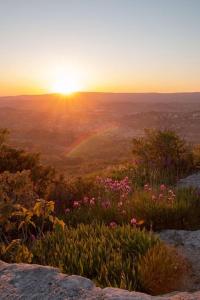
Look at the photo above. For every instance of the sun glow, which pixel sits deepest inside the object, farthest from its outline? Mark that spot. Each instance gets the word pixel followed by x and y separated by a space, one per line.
pixel 66 81
pixel 65 87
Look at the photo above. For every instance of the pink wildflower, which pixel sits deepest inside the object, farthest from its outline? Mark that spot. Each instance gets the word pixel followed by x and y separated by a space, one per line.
pixel 92 201
pixel 76 204
pixel 106 204
pixel 113 224
pixel 120 204
pixel 133 221
pixel 67 210
pixel 85 200
pixel 162 187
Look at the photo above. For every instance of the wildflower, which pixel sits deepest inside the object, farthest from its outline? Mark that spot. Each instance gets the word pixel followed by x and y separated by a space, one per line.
pixel 92 201
pixel 76 204
pixel 162 187
pixel 113 224
pixel 171 193
pixel 85 200
pixel 67 210
pixel 133 221
pixel 153 197
pixel 106 204
pixel 33 237
pixel 120 204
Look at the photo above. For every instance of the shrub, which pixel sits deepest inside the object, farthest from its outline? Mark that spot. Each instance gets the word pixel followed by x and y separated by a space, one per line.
pixel 179 209
pixel 17 160
pixel 106 255
pixel 19 223
pixel 64 192
pixel 160 270
pixel 163 154
pixel 18 188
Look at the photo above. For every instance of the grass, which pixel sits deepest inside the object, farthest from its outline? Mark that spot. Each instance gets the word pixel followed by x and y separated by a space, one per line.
pixel 160 270
pixel 108 256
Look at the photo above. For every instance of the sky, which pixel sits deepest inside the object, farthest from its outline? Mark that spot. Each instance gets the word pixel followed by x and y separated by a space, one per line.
pixel 99 45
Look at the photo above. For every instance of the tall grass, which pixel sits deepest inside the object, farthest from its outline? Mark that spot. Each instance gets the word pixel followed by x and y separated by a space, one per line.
pixel 109 256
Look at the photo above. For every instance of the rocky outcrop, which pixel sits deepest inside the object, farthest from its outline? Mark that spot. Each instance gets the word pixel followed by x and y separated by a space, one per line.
pixel 34 282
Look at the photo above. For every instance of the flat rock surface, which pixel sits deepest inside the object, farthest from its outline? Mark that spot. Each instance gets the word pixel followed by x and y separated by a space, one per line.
pixel 34 282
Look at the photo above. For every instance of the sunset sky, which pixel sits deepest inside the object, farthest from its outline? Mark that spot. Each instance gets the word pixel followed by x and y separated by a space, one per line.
pixel 99 45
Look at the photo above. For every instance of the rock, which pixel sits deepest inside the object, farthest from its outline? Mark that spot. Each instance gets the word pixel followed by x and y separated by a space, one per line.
pixel 188 245
pixel 34 282
pixel 190 181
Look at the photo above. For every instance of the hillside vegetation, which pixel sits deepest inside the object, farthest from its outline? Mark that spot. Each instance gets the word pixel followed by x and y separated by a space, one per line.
pixel 101 226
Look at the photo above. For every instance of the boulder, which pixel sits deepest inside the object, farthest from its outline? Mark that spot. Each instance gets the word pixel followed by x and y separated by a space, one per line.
pixel 35 282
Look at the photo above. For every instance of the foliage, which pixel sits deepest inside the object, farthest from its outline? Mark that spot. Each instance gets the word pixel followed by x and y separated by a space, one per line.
pixel 167 209
pixel 17 160
pixel 109 203
pixel 64 192
pixel 16 251
pixel 17 187
pixel 163 152
pixel 20 223
pixel 111 248
pixel 118 201
pixel 106 255
pixel 196 156
pixel 160 270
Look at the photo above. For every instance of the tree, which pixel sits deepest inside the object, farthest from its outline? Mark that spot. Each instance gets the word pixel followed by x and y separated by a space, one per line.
pixel 163 151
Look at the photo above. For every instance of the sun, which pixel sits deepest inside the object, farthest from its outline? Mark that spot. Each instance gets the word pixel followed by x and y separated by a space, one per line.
pixel 65 79
pixel 65 86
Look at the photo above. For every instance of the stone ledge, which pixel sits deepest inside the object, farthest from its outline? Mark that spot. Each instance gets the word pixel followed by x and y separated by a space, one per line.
pixel 35 282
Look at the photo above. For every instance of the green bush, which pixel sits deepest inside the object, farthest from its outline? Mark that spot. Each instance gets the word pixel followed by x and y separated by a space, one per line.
pixel 106 255
pixel 163 155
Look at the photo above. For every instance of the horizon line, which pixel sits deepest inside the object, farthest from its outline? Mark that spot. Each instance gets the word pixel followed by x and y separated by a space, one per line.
pixel 99 92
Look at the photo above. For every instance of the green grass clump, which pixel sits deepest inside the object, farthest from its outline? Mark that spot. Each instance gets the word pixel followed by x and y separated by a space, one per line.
pixel 106 255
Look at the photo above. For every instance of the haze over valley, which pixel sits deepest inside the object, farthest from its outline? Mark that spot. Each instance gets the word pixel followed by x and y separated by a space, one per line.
pixel 87 132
